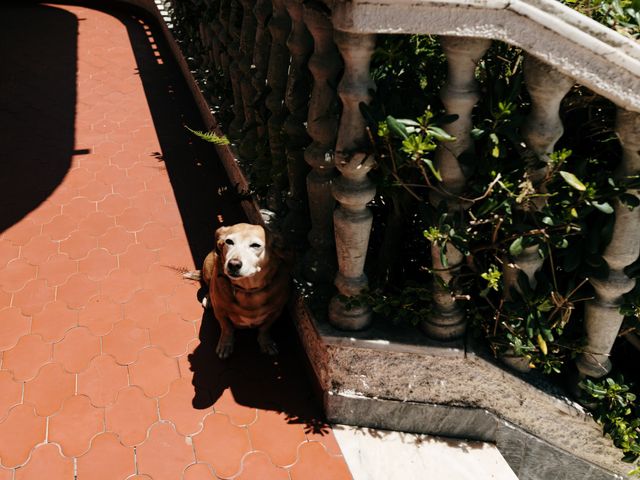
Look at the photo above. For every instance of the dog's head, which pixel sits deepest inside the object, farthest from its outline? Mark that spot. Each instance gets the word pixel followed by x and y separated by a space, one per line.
pixel 243 249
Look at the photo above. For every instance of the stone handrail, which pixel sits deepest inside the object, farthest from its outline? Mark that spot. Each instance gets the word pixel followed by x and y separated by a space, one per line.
pixel 295 76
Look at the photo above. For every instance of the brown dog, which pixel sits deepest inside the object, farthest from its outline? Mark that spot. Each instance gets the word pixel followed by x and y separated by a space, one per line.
pixel 249 283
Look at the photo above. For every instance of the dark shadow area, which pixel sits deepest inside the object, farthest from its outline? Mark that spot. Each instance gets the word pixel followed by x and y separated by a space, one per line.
pixel 38 51
pixel 205 199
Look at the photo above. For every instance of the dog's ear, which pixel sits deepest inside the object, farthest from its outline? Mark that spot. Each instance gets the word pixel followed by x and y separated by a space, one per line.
pixel 220 233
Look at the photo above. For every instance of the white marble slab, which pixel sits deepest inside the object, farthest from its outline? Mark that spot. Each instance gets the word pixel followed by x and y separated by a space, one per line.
pixel 385 455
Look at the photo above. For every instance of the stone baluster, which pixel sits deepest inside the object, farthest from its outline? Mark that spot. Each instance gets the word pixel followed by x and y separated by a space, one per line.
pixel 247 147
pixel 602 318
pixel 541 130
pixel 352 189
pixel 261 49
pixel 223 36
pixel 235 73
pixel 215 28
pixel 279 27
pixel 296 100
pixel 459 95
pixel 322 125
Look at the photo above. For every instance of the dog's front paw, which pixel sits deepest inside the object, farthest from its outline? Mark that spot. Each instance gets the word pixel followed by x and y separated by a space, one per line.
pixel 225 347
pixel 267 345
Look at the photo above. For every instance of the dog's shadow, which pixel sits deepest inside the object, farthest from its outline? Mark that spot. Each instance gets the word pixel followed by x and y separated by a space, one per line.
pixel 255 379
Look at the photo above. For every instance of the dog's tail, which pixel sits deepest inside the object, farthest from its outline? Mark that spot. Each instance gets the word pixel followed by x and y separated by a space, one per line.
pixel 195 275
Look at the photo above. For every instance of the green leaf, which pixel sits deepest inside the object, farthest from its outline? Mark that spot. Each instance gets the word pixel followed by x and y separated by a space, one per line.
pixel 604 207
pixel 573 181
pixel 516 248
pixel 210 137
pixel 440 135
pixel 433 169
pixel 397 128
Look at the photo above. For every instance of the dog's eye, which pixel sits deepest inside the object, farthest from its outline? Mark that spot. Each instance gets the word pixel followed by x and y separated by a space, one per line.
pixel 255 245
pixel 228 241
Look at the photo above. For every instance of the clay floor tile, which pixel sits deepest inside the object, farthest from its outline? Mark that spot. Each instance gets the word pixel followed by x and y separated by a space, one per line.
pixel 96 224
pixel 8 252
pixel 125 341
pixel 34 296
pixel 183 360
pixel 5 297
pixel 177 407
pixel 78 177
pixel 176 253
pixel 123 159
pixel 258 465
pixel 169 214
pixel 131 416
pixel 44 213
pixel 78 245
pixel 39 249
pixel 21 232
pixel 10 393
pixel 185 303
pixel 79 208
pixel 75 425
pixel 159 183
pixel 145 170
pixel 153 371
pixel 95 191
pixel 165 454
pixel 103 126
pixel 133 219
pixel 16 275
pixel 138 258
pixel 100 314
pixel 102 381
pixel 54 321
pixel 19 433
pixel 162 280
pixel 239 415
pixel 326 438
pixel 78 290
pixel 26 358
pixel 145 308
pixel 150 202
pixel 200 471
pixel 46 462
pixel 60 227
pixel 76 350
pixel 128 188
pixel 273 435
pixel 154 235
pixel 314 462
pixel 107 459
pixel 120 285
pixel 114 204
pixel 97 264
pixel 57 269
pixel 110 174
pixel 48 390
pixel 222 445
pixel 6 474
pixel 116 240
pixel 172 334
pixel 13 325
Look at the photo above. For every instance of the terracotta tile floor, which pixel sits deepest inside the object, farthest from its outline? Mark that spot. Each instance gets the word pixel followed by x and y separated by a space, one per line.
pixel 107 366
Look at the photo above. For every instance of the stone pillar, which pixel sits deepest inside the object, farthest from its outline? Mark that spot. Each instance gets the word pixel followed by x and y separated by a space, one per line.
pixel 249 138
pixel 235 73
pixel 459 95
pixel 602 318
pixel 322 126
pixel 541 130
pixel 224 37
pixel 279 27
pixel 352 189
pixel 296 100
pixel 261 49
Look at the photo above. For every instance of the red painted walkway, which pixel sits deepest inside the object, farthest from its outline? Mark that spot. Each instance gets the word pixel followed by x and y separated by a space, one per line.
pixel 107 369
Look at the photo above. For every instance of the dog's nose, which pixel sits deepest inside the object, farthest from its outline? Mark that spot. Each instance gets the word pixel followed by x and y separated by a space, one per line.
pixel 234 265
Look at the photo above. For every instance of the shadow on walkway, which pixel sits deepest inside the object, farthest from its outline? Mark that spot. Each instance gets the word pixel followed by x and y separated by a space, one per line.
pixel 38 137
pixel 198 178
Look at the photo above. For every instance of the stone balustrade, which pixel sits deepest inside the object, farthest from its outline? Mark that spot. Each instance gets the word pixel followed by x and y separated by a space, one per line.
pixel 299 73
